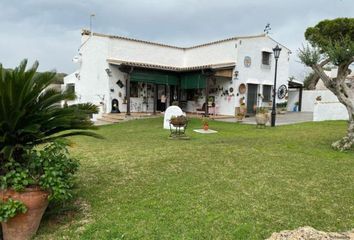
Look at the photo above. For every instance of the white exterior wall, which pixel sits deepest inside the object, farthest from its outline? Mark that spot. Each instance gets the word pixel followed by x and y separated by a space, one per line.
pixel 222 52
pixel 96 86
pixel 115 76
pixel 329 111
pixel 257 73
pixel 329 108
pixel 70 79
pixel 135 51
pixel 309 98
pixel 93 85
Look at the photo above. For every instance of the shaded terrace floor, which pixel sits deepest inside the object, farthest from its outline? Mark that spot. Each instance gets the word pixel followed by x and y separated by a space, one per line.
pixel 281 119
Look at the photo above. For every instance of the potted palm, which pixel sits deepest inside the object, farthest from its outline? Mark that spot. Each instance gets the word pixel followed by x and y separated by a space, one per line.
pixel 31 115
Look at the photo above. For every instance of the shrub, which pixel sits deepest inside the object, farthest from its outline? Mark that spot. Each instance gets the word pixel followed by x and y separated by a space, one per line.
pixel 30 115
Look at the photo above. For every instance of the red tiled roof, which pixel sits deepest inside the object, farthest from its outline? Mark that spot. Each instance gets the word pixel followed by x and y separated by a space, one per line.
pixel 170 68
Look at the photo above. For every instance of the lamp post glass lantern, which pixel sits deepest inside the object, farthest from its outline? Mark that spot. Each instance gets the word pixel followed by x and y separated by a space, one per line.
pixel 276 52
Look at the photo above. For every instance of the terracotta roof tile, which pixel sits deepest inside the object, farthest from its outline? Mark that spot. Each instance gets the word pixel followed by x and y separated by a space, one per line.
pixel 170 68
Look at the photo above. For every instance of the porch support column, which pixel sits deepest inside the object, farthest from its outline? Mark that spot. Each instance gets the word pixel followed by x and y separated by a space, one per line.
pixel 207 96
pixel 300 98
pixel 178 90
pixel 155 98
pixel 128 90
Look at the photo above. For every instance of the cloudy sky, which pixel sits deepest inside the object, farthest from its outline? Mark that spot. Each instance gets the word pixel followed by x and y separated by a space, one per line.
pixel 49 30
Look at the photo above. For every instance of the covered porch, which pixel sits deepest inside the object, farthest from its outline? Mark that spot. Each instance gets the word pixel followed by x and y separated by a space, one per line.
pixel 151 88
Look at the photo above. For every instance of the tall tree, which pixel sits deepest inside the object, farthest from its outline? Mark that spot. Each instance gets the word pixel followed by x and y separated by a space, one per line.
pixel 311 81
pixel 332 42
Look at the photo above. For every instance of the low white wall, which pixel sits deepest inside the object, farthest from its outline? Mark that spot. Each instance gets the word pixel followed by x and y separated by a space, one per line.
pixel 309 98
pixel 329 108
pixel 329 111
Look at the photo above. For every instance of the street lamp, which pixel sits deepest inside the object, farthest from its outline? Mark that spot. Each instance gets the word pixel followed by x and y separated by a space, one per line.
pixel 276 52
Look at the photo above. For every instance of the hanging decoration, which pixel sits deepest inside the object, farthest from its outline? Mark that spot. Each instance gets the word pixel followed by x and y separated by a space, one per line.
pixel 242 88
pixel 282 91
pixel 247 61
pixel 120 84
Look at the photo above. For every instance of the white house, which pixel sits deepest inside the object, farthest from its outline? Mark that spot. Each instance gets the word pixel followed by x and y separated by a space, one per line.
pixel 132 75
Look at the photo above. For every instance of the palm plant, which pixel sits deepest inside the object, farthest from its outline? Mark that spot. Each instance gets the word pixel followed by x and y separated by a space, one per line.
pixel 31 113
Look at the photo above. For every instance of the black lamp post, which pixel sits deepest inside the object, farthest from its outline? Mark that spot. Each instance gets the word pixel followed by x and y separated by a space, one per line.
pixel 276 52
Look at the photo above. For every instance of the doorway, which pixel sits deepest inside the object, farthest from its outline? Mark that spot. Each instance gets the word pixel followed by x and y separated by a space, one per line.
pixel 252 98
pixel 173 94
pixel 161 97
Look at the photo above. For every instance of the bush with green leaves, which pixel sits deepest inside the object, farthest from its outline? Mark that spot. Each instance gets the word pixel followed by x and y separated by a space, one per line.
pixel 50 168
pixel 10 208
pixel 282 105
pixel 31 114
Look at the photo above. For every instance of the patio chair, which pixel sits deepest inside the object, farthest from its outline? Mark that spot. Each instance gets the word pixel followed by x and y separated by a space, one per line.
pixel 201 110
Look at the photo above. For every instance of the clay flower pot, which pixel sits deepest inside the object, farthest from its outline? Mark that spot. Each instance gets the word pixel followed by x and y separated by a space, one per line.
pixel 206 127
pixel 262 118
pixel 24 226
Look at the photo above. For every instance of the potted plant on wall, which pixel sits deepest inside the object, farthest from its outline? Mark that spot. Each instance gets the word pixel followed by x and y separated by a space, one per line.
pixel 29 116
pixel 282 107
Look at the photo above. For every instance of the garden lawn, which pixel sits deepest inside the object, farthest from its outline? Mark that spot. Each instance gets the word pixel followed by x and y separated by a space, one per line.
pixel 241 183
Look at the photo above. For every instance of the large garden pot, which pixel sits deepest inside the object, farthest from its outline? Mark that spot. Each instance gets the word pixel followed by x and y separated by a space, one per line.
pixel 24 226
pixel 262 118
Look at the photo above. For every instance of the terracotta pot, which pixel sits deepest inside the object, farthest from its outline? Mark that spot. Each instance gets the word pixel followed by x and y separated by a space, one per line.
pixel 24 226
pixel 262 118
pixel 206 127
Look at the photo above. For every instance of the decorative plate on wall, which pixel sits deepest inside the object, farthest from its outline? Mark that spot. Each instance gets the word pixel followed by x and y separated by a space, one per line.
pixel 242 88
pixel 282 91
pixel 247 61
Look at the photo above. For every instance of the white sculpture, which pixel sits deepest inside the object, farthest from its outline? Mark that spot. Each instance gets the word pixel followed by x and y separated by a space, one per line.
pixel 171 111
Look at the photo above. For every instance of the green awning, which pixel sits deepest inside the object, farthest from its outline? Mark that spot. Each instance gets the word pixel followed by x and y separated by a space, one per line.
pixel 154 77
pixel 188 80
pixel 193 81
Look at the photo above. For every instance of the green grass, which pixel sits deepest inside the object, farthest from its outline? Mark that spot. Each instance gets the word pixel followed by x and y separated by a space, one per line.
pixel 241 183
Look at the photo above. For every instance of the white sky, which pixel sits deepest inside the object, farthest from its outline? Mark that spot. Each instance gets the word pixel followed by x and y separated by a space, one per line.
pixel 49 31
